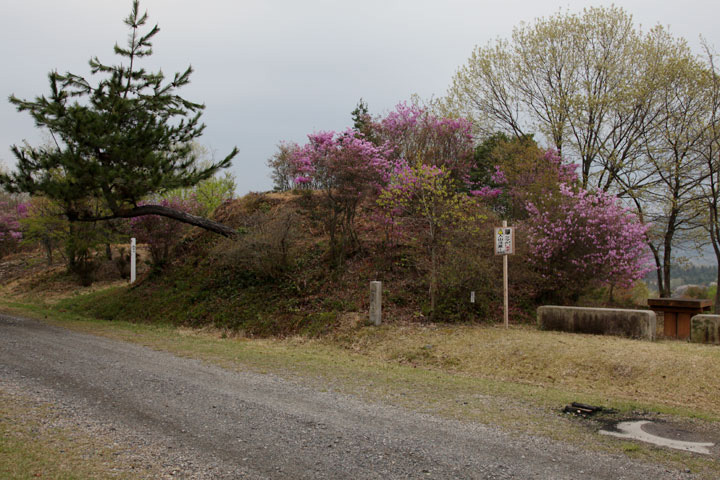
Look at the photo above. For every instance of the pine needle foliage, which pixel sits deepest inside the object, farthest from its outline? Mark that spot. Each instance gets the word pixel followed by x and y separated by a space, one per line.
pixel 118 139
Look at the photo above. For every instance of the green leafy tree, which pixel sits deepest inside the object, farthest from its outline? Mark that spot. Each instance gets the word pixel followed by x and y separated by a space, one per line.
pixel 282 167
pixel 632 108
pixel 424 199
pixel 45 225
pixel 116 141
pixel 210 193
pixel 672 155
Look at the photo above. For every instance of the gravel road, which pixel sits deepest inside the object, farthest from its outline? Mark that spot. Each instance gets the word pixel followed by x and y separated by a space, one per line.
pixel 207 422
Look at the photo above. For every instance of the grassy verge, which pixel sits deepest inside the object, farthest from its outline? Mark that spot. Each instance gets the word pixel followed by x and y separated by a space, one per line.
pixel 33 445
pixel 518 379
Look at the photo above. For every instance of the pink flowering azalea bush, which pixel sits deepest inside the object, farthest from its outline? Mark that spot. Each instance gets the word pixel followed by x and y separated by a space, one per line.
pixel 162 234
pixel 347 169
pixel 10 227
pixel 417 135
pixel 344 162
pixel 580 239
pixel 498 180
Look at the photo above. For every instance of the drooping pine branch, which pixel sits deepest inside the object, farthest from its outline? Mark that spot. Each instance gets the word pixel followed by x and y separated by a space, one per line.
pixel 168 212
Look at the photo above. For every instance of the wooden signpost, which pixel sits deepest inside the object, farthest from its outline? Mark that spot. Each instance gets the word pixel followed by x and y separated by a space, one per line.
pixel 505 245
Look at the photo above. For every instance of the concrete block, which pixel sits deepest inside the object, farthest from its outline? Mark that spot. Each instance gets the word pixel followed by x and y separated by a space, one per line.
pixel 705 329
pixel 599 321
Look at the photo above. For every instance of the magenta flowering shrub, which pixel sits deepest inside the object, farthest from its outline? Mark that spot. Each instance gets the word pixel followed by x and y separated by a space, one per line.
pixel 344 162
pixel 162 234
pixel 417 135
pixel 10 227
pixel 498 180
pixel 346 168
pixel 580 239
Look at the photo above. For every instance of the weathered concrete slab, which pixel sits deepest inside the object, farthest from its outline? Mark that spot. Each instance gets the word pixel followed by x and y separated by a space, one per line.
pixel 599 321
pixel 705 329
pixel 638 431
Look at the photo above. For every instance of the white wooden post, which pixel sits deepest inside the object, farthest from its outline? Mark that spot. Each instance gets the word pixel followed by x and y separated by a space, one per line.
pixel 376 303
pixel 132 260
pixel 505 284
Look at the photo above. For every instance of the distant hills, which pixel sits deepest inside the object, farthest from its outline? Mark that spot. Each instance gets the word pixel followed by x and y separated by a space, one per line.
pixel 687 274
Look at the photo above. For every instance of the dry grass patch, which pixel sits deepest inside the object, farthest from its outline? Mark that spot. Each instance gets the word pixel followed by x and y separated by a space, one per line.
pixel 36 443
pixel 668 373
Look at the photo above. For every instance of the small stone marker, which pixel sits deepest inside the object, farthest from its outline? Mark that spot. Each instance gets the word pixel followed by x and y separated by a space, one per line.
pixel 376 302
pixel 132 260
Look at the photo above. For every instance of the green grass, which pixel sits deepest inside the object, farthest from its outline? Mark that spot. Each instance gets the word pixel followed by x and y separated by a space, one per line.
pixel 517 379
pixel 188 296
pixel 32 447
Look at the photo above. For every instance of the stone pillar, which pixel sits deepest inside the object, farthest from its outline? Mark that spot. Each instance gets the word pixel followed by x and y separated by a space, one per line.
pixel 376 302
pixel 133 254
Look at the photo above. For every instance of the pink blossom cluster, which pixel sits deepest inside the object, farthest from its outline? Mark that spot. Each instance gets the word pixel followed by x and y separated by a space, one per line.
pixel 586 238
pixel 546 173
pixel 344 160
pixel 10 216
pixel 486 192
pixel 498 179
pixel 416 134
pixel 566 172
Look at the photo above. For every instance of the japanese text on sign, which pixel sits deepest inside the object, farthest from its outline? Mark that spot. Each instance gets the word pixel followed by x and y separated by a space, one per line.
pixel 504 241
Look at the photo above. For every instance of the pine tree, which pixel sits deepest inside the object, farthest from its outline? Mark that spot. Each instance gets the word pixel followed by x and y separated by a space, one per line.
pixel 362 121
pixel 117 141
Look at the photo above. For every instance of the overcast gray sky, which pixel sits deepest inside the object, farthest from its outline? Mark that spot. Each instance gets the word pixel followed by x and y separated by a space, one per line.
pixel 275 70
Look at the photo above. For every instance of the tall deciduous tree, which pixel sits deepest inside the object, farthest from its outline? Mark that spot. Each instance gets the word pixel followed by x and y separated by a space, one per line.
pixel 672 149
pixel 630 107
pixel 117 140
pixel 583 82
pixel 708 205
pixel 415 134
pixel 281 166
